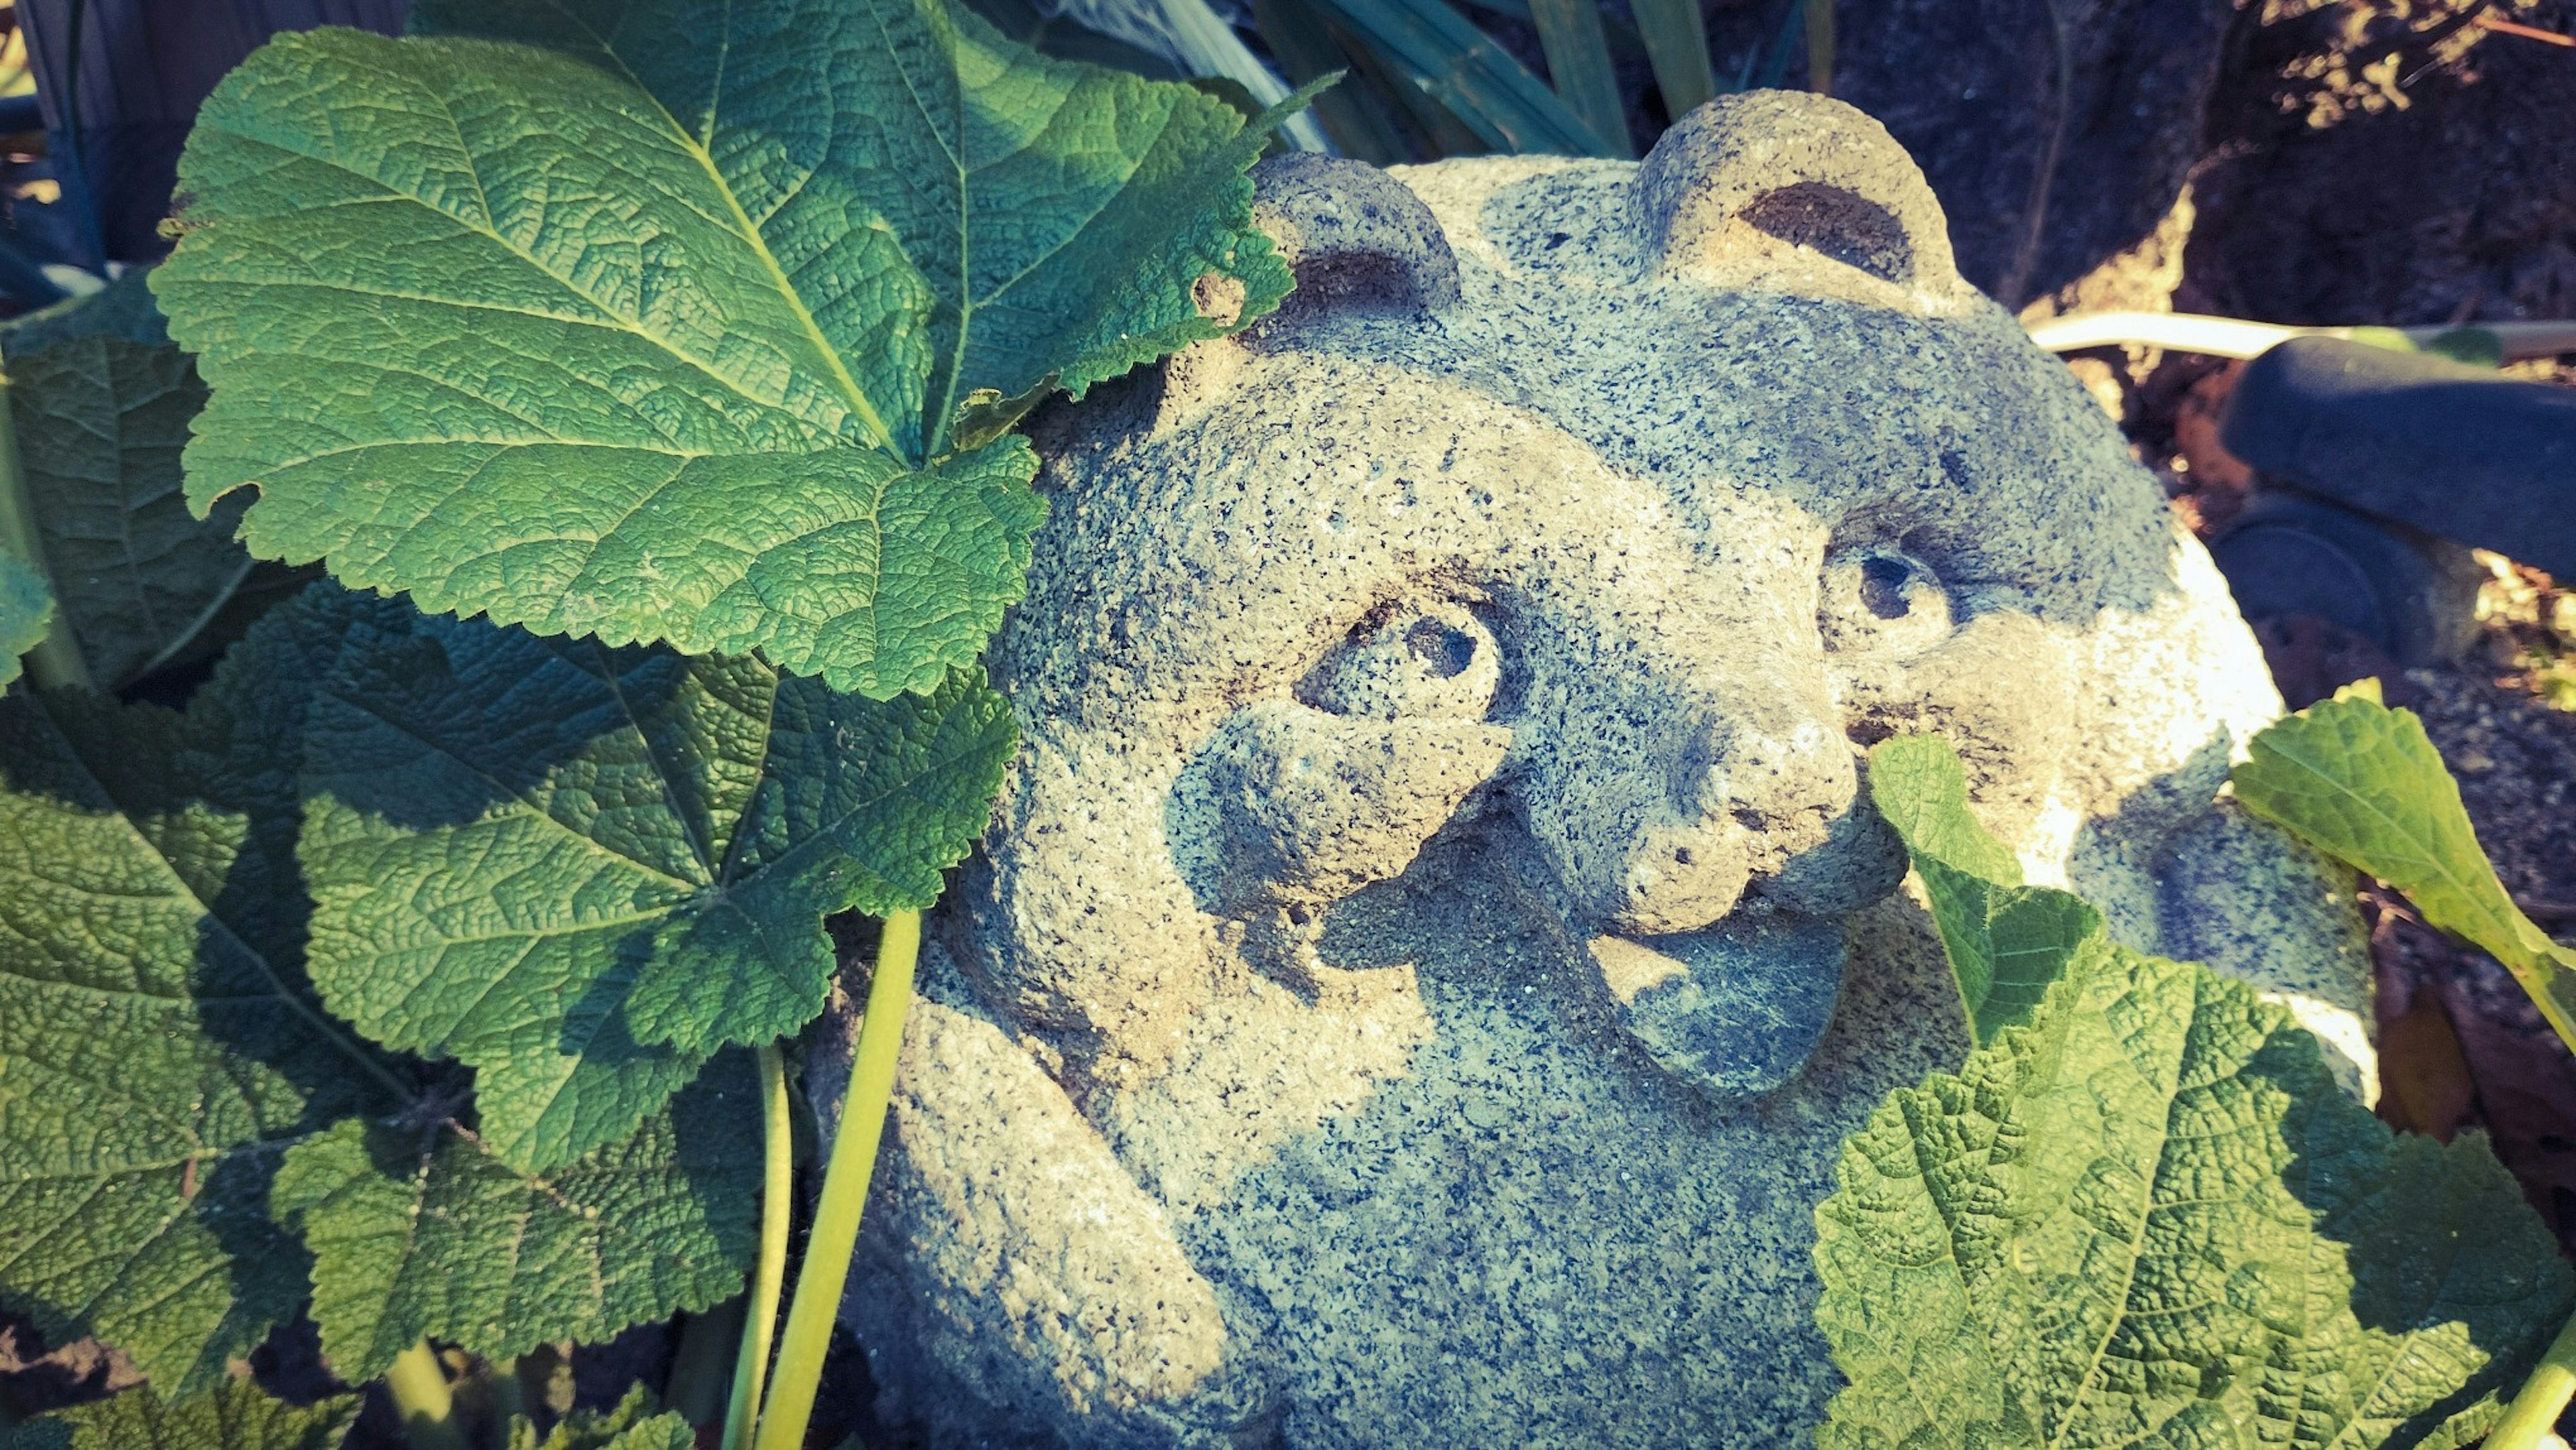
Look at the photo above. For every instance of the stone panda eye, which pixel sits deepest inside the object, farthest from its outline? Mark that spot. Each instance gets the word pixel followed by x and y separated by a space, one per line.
pixel 1413 661
pixel 1880 598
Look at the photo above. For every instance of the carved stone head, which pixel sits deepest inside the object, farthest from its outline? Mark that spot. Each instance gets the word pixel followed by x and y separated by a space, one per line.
pixel 1434 940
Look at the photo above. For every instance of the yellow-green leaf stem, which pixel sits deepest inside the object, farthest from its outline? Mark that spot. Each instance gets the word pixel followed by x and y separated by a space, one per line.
pixel 760 1323
pixel 2543 1397
pixel 422 1400
pixel 845 1191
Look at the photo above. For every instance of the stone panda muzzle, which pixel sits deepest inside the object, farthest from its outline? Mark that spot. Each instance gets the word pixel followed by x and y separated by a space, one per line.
pixel 1710 839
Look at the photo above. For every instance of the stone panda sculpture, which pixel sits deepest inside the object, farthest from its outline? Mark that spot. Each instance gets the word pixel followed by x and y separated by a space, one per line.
pixel 1432 943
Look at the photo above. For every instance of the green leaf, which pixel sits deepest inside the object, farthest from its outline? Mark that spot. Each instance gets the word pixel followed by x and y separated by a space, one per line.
pixel 426 1232
pixel 2149 1218
pixel 158 1043
pixel 659 335
pixel 2364 784
pixel 26 612
pixel 2006 942
pixel 239 1415
pixel 583 870
pixel 101 419
pixel 632 1425
pixel 1058 214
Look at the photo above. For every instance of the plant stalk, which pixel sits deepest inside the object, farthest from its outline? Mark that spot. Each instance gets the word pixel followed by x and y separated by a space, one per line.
pixel 845 1191
pixel 777 1199
pixel 56 660
pixel 699 1378
pixel 508 1393
pixel 423 1401
pixel 2543 1398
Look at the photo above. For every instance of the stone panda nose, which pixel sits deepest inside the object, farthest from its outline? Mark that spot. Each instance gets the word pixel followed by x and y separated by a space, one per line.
pixel 1677 794
pixel 1750 790
pixel 1688 792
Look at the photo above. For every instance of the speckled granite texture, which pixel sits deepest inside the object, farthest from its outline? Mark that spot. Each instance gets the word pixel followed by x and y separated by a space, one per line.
pixel 1430 947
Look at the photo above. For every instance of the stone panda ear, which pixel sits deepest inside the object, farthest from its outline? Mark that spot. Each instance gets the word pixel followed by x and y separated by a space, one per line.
pixel 1774 182
pixel 1357 238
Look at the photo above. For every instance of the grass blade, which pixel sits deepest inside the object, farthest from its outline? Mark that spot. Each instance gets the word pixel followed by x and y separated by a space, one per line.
pixel 1775 61
pixel 1355 119
pixel 1677 46
pixel 56 660
pixel 1209 47
pixel 1578 61
pixel 1820 45
pixel 1471 74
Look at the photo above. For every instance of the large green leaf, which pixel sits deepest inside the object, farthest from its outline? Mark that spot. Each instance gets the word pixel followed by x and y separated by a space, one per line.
pixel 101 419
pixel 26 611
pixel 161 1052
pixel 158 1044
pixel 582 870
pixel 2364 784
pixel 660 333
pixel 2147 1217
pixel 239 1415
pixel 426 1232
pixel 1061 215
